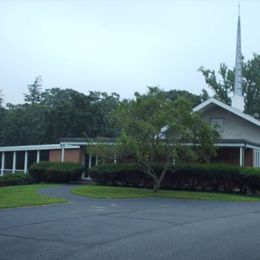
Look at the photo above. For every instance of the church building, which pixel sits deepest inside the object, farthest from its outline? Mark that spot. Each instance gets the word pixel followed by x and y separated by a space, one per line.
pixel 239 142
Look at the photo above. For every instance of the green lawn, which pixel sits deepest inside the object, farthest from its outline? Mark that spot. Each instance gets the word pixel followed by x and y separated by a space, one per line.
pixel 25 195
pixel 108 192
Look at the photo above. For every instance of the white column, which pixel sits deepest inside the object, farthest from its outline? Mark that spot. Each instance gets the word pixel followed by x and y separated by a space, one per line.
pixel 256 158
pixel 38 156
pixel 96 160
pixel 83 159
pixel 241 157
pixel 89 160
pixel 3 164
pixel 62 152
pixel 14 162
pixel 25 162
pixel 83 150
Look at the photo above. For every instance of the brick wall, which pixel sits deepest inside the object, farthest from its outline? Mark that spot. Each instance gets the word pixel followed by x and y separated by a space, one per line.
pixel 231 155
pixel 73 155
pixel 249 161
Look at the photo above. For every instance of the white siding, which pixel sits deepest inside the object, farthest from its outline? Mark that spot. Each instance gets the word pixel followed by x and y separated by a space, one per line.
pixel 235 127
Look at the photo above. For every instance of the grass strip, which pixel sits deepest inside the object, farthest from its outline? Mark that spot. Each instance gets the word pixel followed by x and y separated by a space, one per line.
pixel 25 195
pixel 110 192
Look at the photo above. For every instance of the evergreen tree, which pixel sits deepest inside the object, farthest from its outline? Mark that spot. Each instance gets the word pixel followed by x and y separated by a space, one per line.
pixel 34 96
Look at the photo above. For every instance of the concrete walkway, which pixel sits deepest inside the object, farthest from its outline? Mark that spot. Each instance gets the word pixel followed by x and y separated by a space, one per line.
pixel 130 229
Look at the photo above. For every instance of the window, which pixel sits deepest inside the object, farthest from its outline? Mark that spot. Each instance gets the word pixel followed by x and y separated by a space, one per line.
pixel 218 124
pixel 256 158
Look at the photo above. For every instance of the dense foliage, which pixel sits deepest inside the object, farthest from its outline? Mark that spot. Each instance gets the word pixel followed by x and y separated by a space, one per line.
pixel 53 113
pixel 15 179
pixel 202 177
pixel 57 113
pixel 56 172
pixel 153 128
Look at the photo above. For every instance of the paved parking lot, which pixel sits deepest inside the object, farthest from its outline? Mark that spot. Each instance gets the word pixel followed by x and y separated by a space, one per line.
pixel 130 229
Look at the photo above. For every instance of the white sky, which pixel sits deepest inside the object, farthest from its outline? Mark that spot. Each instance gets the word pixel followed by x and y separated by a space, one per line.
pixel 122 45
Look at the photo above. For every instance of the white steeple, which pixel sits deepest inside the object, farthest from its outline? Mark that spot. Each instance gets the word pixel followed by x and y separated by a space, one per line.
pixel 238 99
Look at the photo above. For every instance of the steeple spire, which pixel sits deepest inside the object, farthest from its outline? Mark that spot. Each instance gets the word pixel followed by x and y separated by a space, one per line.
pixel 238 99
pixel 238 68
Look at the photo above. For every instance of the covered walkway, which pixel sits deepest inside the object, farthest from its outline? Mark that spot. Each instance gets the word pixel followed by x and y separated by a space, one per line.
pixel 19 158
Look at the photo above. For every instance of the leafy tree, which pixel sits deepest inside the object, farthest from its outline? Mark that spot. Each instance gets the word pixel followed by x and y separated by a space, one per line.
pixel 224 86
pixel 104 148
pixel 74 114
pixel 59 113
pixel 34 89
pixel 1 98
pixel 175 94
pixel 204 95
pixel 68 113
pixel 251 85
pixel 24 124
pixel 157 130
pixel 103 105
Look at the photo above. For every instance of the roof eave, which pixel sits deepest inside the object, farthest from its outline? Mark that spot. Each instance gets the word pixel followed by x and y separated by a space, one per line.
pixel 205 105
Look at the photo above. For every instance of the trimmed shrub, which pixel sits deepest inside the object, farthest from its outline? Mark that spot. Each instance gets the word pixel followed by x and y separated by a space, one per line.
pixel 15 179
pixel 203 177
pixel 129 174
pixel 251 180
pixel 56 172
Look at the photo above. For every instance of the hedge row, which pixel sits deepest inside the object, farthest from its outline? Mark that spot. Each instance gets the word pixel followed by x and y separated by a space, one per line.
pixel 15 179
pixel 129 174
pixel 206 177
pixel 56 172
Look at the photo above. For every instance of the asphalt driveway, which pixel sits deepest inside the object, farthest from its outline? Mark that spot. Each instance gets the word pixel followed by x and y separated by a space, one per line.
pixel 152 228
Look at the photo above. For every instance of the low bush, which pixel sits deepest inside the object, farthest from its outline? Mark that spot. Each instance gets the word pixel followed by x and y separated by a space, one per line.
pixel 251 179
pixel 56 172
pixel 203 177
pixel 120 174
pixel 216 177
pixel 15 179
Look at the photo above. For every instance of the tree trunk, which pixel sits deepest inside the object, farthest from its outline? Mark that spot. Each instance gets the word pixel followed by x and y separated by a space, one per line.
pixel 156 185
pixel 156 180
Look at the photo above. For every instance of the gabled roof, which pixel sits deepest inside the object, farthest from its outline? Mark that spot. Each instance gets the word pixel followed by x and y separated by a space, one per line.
pixel 212 102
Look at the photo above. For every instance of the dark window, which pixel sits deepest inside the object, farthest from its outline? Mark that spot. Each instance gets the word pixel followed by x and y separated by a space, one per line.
pixel 32 158
pixel 44 155
pixel 20 160
pixel 9 160
pixel 218 124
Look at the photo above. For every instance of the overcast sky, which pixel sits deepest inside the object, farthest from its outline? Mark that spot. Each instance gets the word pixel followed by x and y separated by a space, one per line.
pixel 120 46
